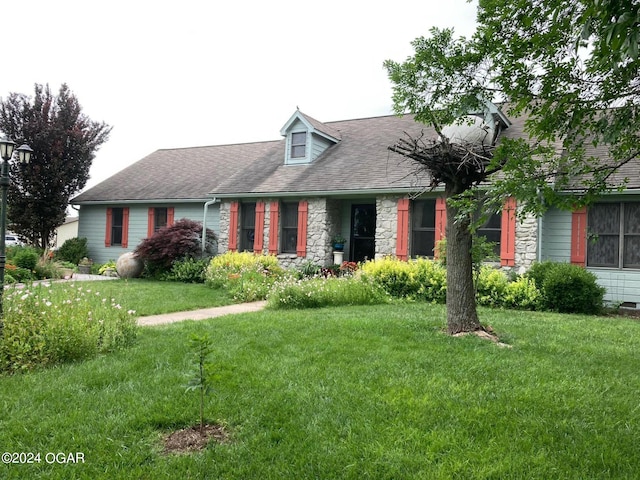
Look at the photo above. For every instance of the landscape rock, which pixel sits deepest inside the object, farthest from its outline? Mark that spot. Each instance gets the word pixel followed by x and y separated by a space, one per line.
pixel 129 266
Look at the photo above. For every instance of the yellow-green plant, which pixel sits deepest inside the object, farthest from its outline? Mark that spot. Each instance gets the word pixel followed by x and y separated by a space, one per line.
pixel 247 276
pixel 421 278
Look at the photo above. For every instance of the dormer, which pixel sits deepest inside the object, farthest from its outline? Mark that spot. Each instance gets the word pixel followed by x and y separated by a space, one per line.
pixel 306 139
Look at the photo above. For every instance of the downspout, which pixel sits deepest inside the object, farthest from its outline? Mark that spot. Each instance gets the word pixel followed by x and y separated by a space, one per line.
pixel 204 223
pixel 539 239
pixel 539 253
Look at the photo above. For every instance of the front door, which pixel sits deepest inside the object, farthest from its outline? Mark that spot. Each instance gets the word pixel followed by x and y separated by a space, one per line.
pixel 363 232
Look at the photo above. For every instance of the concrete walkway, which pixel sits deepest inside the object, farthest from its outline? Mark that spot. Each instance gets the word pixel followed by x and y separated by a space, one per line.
pixel 203 314
pixel 166 318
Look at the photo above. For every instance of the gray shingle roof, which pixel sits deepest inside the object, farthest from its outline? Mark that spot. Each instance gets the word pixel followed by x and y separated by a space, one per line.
pixel 359 161
pixel 323 127
pixel 182 173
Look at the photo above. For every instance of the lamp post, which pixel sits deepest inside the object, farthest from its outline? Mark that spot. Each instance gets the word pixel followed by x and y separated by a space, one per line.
pixel 6 153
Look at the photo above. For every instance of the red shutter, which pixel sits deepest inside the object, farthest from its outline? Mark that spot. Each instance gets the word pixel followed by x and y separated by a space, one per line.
pixel 233 226
pixel 273 227
pixel 402 239
pixel 170 215
pixel 303 212
pixel 508 234
pixel 125 227
pixel 441 222
pixel 258 239
pixel 579 236
pixel 107 234
pixel 151 221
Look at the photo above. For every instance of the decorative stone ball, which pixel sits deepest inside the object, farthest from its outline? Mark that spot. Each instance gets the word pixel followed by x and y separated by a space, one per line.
pixel 129 266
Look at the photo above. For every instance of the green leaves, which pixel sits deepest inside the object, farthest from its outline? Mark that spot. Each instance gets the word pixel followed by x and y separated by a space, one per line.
pixel 569 67
pixel 443 80
pixel 201 347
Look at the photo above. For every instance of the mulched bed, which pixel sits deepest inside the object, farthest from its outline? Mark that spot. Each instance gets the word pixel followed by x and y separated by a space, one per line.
pixel 191 439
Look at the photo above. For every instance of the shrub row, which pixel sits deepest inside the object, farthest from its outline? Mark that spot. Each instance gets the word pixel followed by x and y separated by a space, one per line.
pixel 548 286
pixel 420 279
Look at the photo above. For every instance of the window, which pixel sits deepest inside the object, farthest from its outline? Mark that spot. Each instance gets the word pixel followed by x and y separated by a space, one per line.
pixel 247 226
pixel 116 225
pixel 491 230
pixel 289 227
pixel 423 228
pixel 159 218
pixel 614 235
pixel 298 145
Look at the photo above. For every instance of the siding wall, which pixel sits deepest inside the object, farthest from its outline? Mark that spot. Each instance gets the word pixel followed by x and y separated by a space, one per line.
pixel 64 232
pixel 556 236
pixel 621 285
pixel 318 145
pixel 93 224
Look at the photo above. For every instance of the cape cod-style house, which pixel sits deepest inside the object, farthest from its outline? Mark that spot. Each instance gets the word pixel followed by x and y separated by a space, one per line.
pixel 290 197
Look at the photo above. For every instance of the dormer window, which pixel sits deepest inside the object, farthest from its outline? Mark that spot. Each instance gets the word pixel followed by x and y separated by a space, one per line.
pixel 298 145
pixel 306 139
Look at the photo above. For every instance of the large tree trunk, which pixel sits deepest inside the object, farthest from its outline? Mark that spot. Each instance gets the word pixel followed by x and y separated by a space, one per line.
pixel 462 315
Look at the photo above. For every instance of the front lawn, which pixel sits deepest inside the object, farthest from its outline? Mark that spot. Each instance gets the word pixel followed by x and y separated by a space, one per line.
pixel 150 297
pixel 360 392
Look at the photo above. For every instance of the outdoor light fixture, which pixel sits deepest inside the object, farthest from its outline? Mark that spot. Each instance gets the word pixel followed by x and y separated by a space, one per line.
pixel 6 153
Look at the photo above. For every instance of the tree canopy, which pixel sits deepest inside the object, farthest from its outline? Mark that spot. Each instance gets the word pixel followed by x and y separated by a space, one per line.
pixel 64 141
pixel 569 68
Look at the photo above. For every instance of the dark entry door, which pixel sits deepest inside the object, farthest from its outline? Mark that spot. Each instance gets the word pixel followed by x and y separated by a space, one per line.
pixel 363 232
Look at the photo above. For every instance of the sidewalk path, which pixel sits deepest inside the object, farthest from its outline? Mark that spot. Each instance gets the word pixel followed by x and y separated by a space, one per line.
pixel 166 318
pixel 203 314
pixel 77 277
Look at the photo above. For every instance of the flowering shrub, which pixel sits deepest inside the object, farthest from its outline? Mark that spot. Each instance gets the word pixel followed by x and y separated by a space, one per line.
pixel 247 276
pixel 45 326
pixel 348 268
pixel 323 292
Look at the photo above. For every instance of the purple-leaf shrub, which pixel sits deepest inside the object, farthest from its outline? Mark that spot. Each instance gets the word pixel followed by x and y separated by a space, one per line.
pixel 179 241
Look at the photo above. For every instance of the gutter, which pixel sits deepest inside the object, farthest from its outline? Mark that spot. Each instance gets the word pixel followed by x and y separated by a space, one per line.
pixel 122 201
pixel 327 193
pixel 204 222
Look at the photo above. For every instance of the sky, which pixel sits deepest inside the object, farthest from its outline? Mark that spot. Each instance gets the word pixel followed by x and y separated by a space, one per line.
pixel 205 72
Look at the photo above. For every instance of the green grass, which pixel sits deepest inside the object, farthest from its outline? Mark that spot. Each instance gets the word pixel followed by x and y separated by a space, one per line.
pixel 149 297
pixel 361 392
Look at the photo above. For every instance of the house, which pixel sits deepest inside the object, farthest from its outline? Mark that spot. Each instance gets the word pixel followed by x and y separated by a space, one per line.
pixel 69 229
pixel 289 197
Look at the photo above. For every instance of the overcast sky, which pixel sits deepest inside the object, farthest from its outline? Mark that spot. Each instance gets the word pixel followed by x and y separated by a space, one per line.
pixel 192 73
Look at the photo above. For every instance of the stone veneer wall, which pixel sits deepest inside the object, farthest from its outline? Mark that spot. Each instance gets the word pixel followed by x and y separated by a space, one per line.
pixel 319 231
pixel 318 237
pixel 324 222
pixel 526 243
pixel 223 237
pixel 386 225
